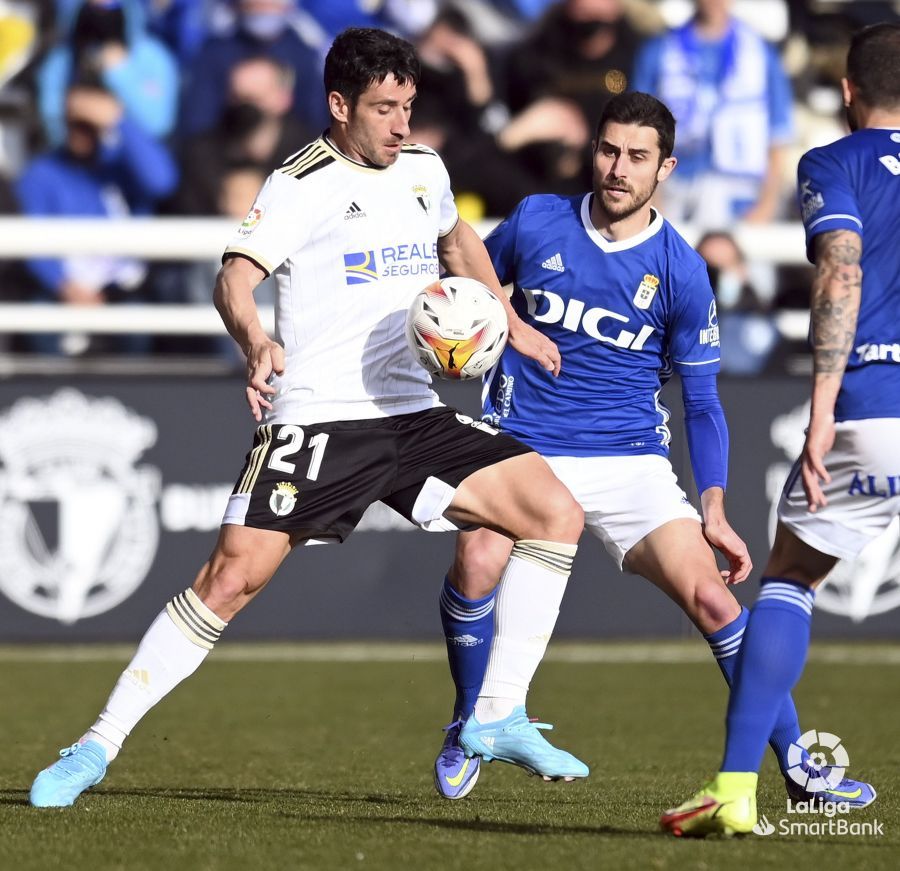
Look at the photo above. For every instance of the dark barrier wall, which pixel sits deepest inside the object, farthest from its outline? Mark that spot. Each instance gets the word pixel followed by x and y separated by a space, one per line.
pixel 111 492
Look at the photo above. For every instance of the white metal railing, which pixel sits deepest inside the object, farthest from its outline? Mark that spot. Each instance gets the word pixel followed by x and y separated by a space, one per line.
pixel 171 320
pixel 203 239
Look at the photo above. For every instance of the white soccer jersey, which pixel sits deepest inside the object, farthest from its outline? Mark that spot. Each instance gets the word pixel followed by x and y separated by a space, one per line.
pixel 350 246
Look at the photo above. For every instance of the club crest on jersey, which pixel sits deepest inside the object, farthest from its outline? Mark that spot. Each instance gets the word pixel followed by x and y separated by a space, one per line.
pixel 283 499
pixel 421 195
pixel 251 222
pixel 810 201
pixel 646 292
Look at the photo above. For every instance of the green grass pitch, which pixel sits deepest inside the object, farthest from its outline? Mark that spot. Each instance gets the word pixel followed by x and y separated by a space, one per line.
pixel 294 758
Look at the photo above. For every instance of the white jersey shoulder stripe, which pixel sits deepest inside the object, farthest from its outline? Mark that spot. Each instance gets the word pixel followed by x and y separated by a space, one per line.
pixel 699 363
pixel 835 218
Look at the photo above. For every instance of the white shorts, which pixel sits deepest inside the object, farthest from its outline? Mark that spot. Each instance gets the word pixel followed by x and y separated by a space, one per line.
pixel 864 493
pixel 624 498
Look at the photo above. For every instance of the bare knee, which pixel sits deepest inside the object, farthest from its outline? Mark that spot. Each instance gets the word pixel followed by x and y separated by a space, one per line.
pixel 478 563
pixel 225 587
pixel 561 517
pixel 711 606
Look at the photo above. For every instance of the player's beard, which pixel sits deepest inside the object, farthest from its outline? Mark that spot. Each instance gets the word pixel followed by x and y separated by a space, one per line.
pixel 619 210
pixel 378 154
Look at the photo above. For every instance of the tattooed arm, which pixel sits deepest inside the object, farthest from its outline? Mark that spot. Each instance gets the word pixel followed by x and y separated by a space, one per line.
pixel 834 309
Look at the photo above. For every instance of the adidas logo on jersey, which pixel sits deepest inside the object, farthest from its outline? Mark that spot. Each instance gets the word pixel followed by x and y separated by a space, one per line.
pixel 554 263
pixel 354 211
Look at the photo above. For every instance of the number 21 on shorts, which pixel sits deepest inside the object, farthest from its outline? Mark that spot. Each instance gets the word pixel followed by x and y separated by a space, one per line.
pixel 294 436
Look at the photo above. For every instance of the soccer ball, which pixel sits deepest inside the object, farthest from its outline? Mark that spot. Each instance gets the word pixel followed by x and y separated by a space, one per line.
pixel 456 328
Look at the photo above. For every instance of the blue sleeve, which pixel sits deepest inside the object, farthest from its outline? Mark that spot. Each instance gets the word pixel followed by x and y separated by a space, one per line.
pixel 780 99
pixel 501 245
pixel 707 432
pixel 645 75
pixel 146 84
pixel 827 202
pixel 148 170
pixel 694 326
pixel 35 193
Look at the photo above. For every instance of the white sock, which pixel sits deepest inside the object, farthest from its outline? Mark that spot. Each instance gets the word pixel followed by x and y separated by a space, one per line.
pixel 525 611
pixel 172 649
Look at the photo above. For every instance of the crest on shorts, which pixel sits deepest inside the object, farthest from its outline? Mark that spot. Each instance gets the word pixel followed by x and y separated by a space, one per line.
pixel 646 291
pixel 250 223
pixel 283 499
pixel 421 194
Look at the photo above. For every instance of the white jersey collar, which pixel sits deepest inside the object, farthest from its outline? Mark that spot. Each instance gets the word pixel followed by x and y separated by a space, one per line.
pixel 603 243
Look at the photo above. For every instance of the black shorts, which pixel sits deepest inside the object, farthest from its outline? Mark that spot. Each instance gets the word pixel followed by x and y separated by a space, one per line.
pixel 316 481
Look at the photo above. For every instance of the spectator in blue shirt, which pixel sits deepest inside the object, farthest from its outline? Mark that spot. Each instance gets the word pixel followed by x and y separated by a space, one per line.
pixel 732 102
pixel 263 28
pixel 107 167
pixel 105 43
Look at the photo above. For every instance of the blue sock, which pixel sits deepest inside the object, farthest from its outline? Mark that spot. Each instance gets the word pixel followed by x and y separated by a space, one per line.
pixel 468 627
pixel 772 657
pixel 725 644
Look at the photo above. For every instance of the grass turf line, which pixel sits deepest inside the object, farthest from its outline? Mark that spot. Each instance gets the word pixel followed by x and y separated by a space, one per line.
pixel 328 766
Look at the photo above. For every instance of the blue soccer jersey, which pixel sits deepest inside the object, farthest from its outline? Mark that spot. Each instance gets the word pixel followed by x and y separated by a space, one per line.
pixel 854 184
pixel 623 314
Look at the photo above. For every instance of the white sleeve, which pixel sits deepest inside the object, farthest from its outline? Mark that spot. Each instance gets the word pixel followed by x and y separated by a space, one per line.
pixel 277 225
pixel 449 214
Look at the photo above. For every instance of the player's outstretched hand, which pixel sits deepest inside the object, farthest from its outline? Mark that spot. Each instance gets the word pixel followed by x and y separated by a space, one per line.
pixel 725 540
pixel 531 343
pixel 819 441
pixel 263 360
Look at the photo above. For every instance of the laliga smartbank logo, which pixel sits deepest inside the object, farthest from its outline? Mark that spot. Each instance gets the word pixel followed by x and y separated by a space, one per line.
pixel 818 762
pixel 818 773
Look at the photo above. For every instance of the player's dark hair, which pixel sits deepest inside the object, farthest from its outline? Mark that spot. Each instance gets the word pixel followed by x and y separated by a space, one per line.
pixel 873 64
pixel 362 56
pixel 635 107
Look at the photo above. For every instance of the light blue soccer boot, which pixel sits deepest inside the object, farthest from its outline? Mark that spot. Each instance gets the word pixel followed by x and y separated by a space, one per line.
pixel 455 773
pixel 517 740
pixel 82 766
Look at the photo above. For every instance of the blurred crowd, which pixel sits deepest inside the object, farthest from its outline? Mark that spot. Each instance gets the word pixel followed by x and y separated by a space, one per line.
pixel 182 107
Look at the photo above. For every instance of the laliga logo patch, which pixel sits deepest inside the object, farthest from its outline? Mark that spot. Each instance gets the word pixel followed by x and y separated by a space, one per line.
pixel 421 195
pixel 251 222
pixel 78 523
pixel 646 292
pixel 283 499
